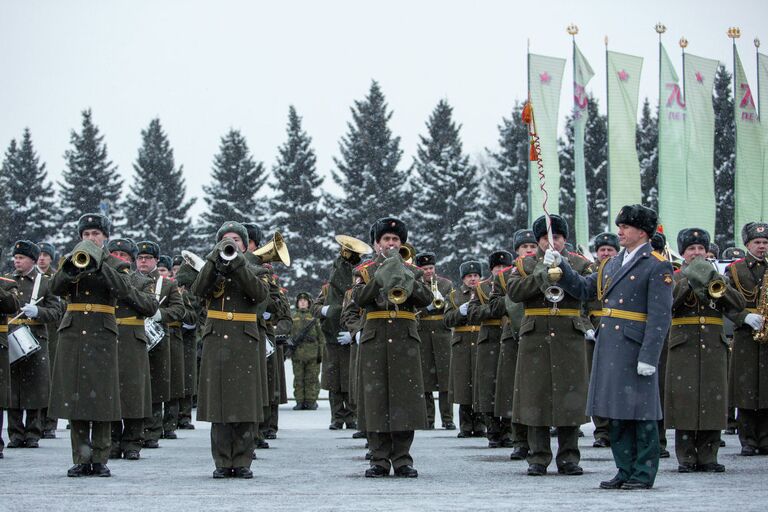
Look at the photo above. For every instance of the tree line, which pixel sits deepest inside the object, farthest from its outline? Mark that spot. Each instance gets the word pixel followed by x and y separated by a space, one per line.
pixel 458 206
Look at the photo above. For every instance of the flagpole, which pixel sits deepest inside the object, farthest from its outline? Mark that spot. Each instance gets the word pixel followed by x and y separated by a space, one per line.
pixel 530 174
pixel 734 33
pixel 608 134
pixel 759 96
pixel 572 29
pixel 683 44
pixel 660 29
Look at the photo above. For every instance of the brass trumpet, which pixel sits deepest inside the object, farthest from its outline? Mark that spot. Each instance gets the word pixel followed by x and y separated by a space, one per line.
pixel 228 250
pixel 438 301
pixel 274 250
pixel 407 252
pixel 397 295
pixel 81 259
pixel 716 288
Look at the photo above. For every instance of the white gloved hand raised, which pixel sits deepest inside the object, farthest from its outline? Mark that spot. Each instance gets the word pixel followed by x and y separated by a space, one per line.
pixel 431 307
pixel 266 315
pixel 590 335
pixel 463 309
pixel 324 310
pixel 645 369
pixel 157 317
pixel 344 338
pixel 552 258
pixel 753 320
pixel 30 310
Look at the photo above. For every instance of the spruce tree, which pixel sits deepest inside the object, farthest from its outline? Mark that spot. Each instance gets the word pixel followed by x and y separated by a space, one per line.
pixel 156 208
pixel 367 170
pixel 29 201
pixel 725 158
pixel 505 184
pixel 596 168
pixel 296 211
pixel 235 182
pixel 91 181
pixel 445 192
pixel 648 155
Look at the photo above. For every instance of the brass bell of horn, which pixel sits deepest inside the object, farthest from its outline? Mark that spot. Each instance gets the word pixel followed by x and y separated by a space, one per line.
pixel 274 250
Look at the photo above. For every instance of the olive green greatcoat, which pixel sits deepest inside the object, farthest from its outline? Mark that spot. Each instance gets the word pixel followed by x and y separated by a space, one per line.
pixel 463 352
pixel 133 359
pixel 31 376
pixel 488 312
pixel 389 355
pixel 749 360
pixel 551 374
pixel 435 342
pixel 697 372
pixel 505 370
pixel 352 320
pixel 229 390
pixel 53 327
pixel 160 360
pixel 177 360
pixel 194 318
pixel 9 304
pixel 86 382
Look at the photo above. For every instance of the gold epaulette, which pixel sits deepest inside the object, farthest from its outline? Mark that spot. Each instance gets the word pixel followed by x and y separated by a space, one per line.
pixel 659 256
pixel 502 279
pixel 519 266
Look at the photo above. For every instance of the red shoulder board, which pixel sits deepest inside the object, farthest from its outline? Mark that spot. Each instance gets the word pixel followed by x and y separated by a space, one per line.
pixel 678 270
pixel 364 265
pixel 7 280
pixel 506 268
pixel 570 253
pixel 736 261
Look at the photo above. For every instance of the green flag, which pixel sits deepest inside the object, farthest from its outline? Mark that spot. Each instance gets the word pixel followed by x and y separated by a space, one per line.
pixel 762 103
pixel 545 78
pixel 749 187
pixel 582 74
pixel 700 142
pixel 672 182
pixel 623 167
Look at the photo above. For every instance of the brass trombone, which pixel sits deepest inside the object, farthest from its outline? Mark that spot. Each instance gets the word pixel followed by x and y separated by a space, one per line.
pixel 274 250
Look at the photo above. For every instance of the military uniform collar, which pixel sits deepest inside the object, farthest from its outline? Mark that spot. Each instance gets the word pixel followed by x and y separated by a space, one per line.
pixel 29 275
pixel 753 260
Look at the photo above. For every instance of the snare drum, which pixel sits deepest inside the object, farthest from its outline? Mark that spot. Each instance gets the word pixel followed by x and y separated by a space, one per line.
pixel 21 344
pixel 154 332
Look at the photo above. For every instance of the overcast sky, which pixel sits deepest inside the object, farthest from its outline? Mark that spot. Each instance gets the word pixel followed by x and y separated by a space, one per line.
pixel 203 67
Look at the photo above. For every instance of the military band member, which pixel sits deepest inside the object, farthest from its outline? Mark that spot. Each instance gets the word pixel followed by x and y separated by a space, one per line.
pixel 714 251
pixel 525 246
pixel 606 247
pixel 133 360
pixel 749 380
pixel 729 255
pixel 463 351
pixel 230 394
pixel 9 304
pixel 171 407
pixel 85 387
pixel 194 317
pixel 698 356
pixel 307 355
pixel 734 253
pixel 45 266
pixel 488 312
pixel 550 379
pixel 635 288
pixel 390 363
pixel 171 311
pixel 435 344
pixel 30 376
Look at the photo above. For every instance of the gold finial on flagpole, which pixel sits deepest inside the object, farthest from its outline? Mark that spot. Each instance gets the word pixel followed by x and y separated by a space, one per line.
pixel 572 29
pixel 757 42
pixel 660 28
pixel 683 42
pixel 605 40
pixel 734 33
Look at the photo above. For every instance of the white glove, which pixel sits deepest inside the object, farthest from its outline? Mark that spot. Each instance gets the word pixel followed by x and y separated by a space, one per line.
pixel 463 309
pixel 266 315
pixel 157 317
pixel 188 327
pixel 29 310
pixel 753 320
pixel 324 310
pixel 645 369
pixel 431 307
pixel 357 337
pixel 552 258
pixel 590 335
pixel 344 338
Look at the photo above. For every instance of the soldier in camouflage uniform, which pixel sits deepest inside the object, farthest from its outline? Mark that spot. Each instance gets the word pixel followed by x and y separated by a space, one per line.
pixel 307 355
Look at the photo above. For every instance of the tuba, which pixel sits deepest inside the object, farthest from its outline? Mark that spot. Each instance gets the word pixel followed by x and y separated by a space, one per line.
pixel 351 247
pixel 438 301
pixel 274 250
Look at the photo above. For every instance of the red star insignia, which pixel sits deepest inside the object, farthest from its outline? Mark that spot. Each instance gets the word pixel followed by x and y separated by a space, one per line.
pixel 623 75
pixel 545 78
pixel 699 77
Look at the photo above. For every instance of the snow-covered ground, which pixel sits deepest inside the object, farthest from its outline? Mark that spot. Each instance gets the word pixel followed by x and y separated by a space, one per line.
pixel 312 468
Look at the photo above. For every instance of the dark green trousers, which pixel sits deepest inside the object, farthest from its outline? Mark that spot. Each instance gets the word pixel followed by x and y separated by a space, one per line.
pixel 601 428
pixel 153 427
pixel 185 410
pixel 2 443
pixel 341 410
pixel 496 427
pixel 171 415
pixel 126 434
pixel 49 424
pixel 232 444
pixel 753 428
pixel 540 449
pixel 90 441
pixel 635 447
pixel 391 449
pixel 446 407
pixel 21 430
pixel 519 435
pixel 469 420
pixel 269 425
pixel 697 446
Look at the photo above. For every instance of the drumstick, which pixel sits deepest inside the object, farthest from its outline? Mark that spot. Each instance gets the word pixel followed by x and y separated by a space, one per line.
pixel 31 303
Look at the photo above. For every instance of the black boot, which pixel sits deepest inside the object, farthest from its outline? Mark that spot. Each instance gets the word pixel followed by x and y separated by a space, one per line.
pixel 79 470
pixel 98 469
